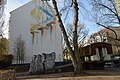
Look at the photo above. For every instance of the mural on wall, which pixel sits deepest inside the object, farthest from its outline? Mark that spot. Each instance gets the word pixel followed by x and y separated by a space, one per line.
pixel 43 21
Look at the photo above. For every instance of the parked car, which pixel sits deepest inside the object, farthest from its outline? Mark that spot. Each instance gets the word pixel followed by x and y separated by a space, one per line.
pixel 116 60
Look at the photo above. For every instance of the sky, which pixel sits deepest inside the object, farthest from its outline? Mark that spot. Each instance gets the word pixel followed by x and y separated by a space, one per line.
pixel 14 4
pixel 10 6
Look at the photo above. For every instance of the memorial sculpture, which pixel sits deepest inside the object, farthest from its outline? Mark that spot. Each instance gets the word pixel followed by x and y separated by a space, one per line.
pixel 32 65
pixel 49 60
pixel 41 63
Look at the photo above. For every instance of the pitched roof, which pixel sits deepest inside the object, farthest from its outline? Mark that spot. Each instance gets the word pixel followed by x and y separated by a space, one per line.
pixel 49 6
pixel 105 29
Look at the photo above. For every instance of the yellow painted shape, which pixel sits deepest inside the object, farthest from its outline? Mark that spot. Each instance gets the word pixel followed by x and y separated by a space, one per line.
pixel 34 26
pixel 33 36
pixel 38 17
pixel 43 30
pixel 33 12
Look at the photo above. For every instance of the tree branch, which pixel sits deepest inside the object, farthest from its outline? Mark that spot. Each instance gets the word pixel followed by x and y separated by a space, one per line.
pixel 109 29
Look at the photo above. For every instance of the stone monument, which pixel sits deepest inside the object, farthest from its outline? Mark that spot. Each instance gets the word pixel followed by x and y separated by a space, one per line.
pixel 41 63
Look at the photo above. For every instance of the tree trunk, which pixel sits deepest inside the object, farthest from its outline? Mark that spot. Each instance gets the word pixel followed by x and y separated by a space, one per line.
pixel 64 32
pixel 73 54
pixel 78 67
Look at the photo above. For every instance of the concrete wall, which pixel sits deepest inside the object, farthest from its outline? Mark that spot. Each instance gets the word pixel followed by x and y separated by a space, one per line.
pixel 20 24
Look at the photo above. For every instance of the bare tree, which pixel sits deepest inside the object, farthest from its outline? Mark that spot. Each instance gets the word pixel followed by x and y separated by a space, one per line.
pixel 2 21
pixel 105 12
pixel 19 50
pixel 74 51
pixel 82 34
pixel 81 31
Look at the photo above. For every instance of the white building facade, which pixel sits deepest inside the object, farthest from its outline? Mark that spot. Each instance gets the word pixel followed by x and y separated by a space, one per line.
pixel 37 25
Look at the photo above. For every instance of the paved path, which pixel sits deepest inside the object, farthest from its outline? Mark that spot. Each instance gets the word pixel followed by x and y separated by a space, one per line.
pixel 107 74
pixel 117 69
pixel 80 78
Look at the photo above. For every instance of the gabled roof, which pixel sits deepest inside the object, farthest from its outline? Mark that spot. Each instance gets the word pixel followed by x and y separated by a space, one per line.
pixel 105 29
pixel 31 3
pixel 20 7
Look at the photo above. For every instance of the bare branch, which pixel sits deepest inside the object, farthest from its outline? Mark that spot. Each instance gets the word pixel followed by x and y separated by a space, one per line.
pixel 109 29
